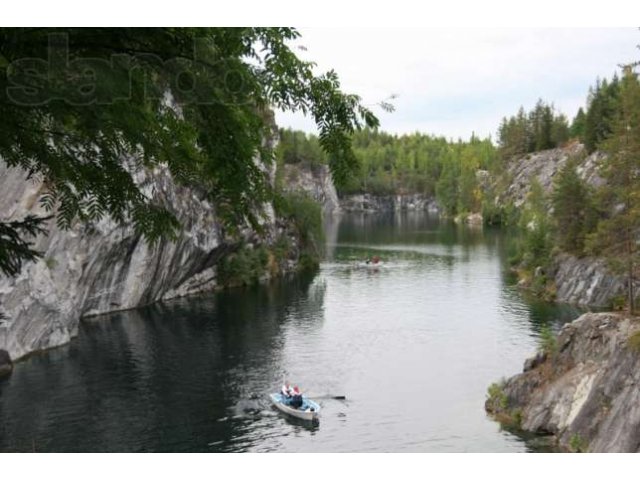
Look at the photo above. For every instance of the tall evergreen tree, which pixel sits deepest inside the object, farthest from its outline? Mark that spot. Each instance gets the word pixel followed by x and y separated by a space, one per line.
pixel 617 236
pixel 572 210
pixel 601 112
pixel 578 125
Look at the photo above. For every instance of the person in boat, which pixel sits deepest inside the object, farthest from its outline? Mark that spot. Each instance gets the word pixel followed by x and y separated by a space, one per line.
pixel 287 391
pixel 296 397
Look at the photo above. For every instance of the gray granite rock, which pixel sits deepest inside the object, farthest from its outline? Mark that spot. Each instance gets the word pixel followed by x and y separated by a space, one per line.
pixel 588 392
pixel 388 203
pixel 103 267
pixel 316 181
pixel 586 281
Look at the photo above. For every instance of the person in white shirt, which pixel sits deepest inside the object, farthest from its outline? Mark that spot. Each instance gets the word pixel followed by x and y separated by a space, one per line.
pixel 287 391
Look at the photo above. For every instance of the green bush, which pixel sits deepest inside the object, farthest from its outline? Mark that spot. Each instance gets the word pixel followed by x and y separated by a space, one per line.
pixel 306 217
pixel 244 267
pixel 496 395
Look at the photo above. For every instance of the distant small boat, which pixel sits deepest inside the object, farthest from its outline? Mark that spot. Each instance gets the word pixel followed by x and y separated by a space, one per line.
pixel 370 265
pixel 309 410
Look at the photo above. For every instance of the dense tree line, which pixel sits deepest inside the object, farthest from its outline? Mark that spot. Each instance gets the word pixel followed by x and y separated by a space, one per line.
pixel 597 124
pixel 540 129
pixel 405 164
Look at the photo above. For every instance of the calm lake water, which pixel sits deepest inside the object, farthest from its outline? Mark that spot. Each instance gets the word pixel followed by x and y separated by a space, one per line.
pixel 413 346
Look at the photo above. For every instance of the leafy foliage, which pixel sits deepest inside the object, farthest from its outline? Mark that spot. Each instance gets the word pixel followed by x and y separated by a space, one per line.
pixel 15 246
pixel 243 267
pixel 85 109
pixel 306 216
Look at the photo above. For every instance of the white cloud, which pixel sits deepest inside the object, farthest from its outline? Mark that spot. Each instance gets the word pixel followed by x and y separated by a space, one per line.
pixel 455 81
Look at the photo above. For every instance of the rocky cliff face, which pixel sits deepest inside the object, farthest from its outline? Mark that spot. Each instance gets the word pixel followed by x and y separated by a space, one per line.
pixel 316 181
pixel 585 391
pixel 98 268
pixel 544 166
pixel 581 281
pixel 387 203
pixel 586 281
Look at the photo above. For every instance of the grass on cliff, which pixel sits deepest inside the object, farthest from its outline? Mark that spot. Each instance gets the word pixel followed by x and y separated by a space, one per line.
pixel 577 444
pixel 496 396
pixel 634 342
pixel 548 341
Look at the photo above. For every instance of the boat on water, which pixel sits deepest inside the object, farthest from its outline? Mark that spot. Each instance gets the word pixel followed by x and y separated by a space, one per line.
pixel 309 410
pixel 370 265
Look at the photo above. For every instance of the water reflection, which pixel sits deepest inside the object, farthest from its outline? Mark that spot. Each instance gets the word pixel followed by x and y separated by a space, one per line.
pixel 158 378
pixel 426 333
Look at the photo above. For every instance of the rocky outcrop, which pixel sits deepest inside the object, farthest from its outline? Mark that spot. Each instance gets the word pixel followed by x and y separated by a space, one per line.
pixel 585 391
pixel 544 166
pixel 6 365
pixel 586 281
pixel 102 267
pixel 471 219
pixel 315 180
pixel 581 281
pixel 387 203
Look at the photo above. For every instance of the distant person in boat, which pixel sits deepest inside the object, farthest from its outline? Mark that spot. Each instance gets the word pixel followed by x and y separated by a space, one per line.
pixel 372 261
pixel 296 397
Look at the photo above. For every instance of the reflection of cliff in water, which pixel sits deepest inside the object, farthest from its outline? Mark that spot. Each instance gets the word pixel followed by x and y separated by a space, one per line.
pixel 405 227
pixel 167 367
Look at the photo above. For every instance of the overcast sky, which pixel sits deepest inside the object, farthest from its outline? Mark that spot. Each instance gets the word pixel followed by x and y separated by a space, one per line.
pixel 455 82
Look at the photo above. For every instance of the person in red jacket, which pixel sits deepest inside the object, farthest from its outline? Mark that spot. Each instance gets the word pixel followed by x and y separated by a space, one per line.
pixel 296 397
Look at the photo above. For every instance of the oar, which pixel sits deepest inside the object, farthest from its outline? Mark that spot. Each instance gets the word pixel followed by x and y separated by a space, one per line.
pixel 330 397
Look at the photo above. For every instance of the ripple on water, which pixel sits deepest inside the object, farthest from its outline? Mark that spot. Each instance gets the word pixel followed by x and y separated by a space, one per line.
pixel 413 346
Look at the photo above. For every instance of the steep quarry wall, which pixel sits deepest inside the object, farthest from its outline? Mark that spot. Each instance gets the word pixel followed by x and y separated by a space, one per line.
pixel 102 267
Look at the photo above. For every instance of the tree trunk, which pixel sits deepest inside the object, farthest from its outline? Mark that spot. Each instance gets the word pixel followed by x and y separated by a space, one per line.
pixel 631 295
pixel 630 273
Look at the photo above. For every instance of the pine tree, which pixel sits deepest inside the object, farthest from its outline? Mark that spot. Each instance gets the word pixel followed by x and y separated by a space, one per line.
pixel 572 210
pixel 617 236
pixel 578 125
pixel 447 187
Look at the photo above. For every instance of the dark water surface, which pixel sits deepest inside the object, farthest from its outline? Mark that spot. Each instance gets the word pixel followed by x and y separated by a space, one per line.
pixel 413 346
